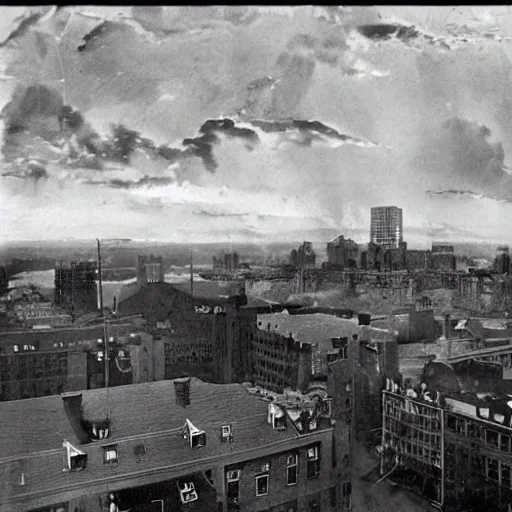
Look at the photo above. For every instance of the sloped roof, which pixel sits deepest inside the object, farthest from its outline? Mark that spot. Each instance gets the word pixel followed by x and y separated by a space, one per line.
pixel 32 432
pixel 490 328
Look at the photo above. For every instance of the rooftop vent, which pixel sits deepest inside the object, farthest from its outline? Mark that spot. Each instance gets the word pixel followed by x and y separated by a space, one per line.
pixel 182 391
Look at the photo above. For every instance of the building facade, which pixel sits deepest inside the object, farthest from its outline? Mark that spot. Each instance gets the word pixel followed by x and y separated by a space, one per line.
pixel 386 228
pixel 303 257
pixel 227 262
pixel 452 447
pixel 342 253
pixel 443 258
pixel 76 288
pixel 149 269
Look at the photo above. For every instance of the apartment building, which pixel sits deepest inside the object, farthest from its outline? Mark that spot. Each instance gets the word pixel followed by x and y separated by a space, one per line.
pixel 170 446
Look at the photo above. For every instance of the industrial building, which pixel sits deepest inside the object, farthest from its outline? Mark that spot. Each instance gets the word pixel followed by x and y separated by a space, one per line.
pixel 172 446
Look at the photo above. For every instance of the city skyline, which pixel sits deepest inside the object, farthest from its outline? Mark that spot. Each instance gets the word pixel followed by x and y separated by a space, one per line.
pixel 256 156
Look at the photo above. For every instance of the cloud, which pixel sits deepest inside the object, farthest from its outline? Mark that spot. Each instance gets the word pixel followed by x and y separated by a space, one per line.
pixel 146 181
pixel 462 153
pixel 416 37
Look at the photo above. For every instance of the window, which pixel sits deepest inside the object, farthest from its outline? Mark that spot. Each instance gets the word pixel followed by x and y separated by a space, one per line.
pixel 332 494
pixel 314 504
pixel 347 497
pixel 198 439
pixel 291 469
pixel 491 437
pixel 261 485
pixel 16 348
pixel 226 433
pixel 492 469
pixel 76 460
pixel 504 443
pixel 188 492
pixel 505 475
pixel 313 462
pixel 265 467
pixel 233 479
pixel 110 454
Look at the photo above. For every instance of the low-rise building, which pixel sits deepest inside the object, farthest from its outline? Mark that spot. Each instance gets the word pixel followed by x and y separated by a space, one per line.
pixel 170 446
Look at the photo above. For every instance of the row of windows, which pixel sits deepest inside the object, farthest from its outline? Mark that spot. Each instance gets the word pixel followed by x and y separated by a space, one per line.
pixel 262 478
pixel 477 431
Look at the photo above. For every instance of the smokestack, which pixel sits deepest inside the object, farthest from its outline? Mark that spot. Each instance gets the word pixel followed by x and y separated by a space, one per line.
pixel 182 391
pixel 73 408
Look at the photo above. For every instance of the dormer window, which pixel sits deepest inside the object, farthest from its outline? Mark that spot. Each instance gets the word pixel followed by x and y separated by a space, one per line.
pixel 76 460
pixel 226 433
pixel 196 437
pixel 326 407
pixel 110 454
pixel 188 493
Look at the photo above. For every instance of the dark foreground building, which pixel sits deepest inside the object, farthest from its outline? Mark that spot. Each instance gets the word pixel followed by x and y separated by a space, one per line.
pixel 170 446
pixel 448 439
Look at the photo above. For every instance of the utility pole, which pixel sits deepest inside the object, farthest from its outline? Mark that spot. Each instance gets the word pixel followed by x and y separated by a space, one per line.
pixel 192 271
pixel 100 282
pixel 105 334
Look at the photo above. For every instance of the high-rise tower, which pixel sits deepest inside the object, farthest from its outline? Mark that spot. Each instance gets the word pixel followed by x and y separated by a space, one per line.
pixel 386 227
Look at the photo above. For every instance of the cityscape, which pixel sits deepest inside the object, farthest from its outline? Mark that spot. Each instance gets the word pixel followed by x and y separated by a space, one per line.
pixel 272 315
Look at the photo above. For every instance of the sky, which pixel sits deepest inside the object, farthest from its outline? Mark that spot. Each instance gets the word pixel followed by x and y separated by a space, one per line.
pixel 255 124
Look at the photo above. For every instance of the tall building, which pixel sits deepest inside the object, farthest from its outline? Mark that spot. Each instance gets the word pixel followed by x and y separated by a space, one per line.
pixel 304 256
pixel 342 253
pixel 386 227
pixel 75 287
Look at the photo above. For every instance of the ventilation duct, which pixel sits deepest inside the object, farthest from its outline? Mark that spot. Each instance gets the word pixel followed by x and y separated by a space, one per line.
pixel 73 408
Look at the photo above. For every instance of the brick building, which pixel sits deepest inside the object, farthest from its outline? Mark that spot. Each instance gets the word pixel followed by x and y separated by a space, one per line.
pixel 443 257
pixel 278 362
pixel 169 446
pixel 417 259
pixel 502 260
pixel 200 332
pixel 36 363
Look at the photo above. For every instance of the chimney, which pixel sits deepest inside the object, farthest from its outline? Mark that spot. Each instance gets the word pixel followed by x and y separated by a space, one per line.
pixel 73 408
pixel 182 391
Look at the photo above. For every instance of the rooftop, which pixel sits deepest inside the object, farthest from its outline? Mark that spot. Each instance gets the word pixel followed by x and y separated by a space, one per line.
pixel 32 432
pixel 320 328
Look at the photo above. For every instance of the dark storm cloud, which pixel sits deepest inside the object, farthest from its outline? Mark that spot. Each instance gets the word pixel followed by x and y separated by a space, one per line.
pixel 34 172
pixel 27 102
pixel 202 146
